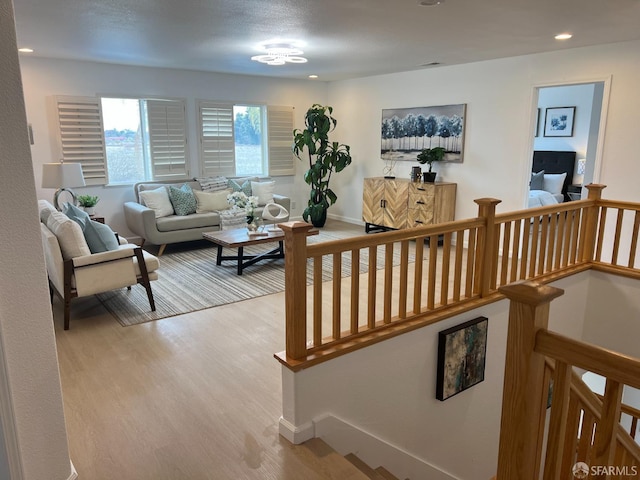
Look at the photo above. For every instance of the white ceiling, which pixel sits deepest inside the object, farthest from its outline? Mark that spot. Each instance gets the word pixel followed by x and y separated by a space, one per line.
pixel 344 38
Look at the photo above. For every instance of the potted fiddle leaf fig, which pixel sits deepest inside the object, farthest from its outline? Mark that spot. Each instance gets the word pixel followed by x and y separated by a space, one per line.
pixel 428 156
pixel 325 158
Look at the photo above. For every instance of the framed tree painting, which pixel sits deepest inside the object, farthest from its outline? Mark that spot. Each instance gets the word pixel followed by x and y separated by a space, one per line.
pixel 462 352
pixel 558 121
pixel 407 131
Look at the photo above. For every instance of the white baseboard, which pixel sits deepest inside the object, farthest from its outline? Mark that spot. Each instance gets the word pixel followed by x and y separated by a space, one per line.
pixel 346 438
pixel 294 434
pixel 74 473
pixel 353 221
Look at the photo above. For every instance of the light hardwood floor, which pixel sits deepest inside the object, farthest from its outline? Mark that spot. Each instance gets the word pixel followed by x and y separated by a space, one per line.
pixel 197 396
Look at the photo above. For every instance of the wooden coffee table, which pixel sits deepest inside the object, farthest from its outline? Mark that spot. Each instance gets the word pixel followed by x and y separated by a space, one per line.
pixel 239 238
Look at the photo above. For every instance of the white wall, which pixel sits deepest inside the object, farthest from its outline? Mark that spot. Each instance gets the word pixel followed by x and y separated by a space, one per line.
pixel 388 389
pixel 44 78
pixel 579 96
pixel 498 143
pixel 612 319
pixel 31 413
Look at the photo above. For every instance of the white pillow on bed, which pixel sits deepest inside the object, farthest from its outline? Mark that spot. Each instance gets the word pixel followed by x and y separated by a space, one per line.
pixel 553 182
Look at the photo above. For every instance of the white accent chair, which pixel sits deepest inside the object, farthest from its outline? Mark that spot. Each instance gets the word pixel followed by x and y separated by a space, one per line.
pixel 76 272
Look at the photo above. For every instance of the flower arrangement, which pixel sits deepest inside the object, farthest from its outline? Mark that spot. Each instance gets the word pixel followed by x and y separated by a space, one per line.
pixel 240 200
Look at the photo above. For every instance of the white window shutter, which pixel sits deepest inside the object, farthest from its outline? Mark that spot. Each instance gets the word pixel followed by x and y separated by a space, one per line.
pixel 82 136
pixel 167 139
pixel 280 132
pixel 217 142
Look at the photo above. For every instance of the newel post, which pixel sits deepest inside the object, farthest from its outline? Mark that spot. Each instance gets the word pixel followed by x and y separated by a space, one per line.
pixel 295 287
pixel 487 245
pixel 590 232
pixel 524 397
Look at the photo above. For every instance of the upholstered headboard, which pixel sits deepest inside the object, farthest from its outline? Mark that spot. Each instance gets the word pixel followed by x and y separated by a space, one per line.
pixel 555 162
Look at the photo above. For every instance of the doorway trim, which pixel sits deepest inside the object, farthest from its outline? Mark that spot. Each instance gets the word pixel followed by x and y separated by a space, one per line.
pixel 535 89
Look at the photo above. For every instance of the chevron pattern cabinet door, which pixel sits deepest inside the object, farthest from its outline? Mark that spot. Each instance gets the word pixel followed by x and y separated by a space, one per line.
pixel 372 198
pixel 400 203
pixel 396 195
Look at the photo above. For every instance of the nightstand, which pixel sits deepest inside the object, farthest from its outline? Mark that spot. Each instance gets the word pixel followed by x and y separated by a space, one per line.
pixel 574 192
pixel 96 219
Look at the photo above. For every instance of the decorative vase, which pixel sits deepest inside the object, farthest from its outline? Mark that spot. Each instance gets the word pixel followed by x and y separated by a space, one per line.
pixel 415 174
pixel 90 210
pixel 320 218
pixel 429 177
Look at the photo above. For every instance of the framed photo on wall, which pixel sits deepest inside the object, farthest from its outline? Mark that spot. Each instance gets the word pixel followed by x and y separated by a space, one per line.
pixel 407 131
pixel 558 121
pixel 462 353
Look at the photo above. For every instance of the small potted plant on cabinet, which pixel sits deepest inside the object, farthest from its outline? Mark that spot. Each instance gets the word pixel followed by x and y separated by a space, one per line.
pixel 430 155
pixel 88 203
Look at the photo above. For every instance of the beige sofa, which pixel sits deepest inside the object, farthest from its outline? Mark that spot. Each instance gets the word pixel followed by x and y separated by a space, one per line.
pixel 142 220
pixel 74 271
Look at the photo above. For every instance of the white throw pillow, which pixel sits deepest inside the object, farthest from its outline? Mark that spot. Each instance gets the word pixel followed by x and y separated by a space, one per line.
pixel 69 235
pixel 553 182
pixel 158 200
pixel 211 201
pixel 264 191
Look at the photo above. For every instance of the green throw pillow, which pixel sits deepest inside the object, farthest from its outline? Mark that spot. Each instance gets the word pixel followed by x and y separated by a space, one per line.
pixel 100 237
pixel 245 187
pixel 183 200
pixel 77 215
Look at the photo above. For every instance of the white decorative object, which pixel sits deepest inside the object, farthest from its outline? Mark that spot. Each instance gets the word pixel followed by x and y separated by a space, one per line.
pixel 275 213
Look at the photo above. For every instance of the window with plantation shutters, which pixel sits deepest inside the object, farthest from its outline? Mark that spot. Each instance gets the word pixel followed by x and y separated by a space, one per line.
pixel 81 136
pixel 217 143
pixel 280 134
pixel 167 139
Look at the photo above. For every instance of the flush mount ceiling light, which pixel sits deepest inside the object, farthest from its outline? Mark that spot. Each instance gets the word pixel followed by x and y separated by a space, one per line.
pixel 25 50
pixel 563 36
pixel 430 3
pixel 279 54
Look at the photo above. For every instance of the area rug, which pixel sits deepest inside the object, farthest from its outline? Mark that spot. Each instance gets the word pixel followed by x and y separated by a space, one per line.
pixel 189 280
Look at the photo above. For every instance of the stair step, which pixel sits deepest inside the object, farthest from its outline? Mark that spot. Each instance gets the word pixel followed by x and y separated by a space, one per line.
pixel 386 474
pixel 329 463
pixel 364 468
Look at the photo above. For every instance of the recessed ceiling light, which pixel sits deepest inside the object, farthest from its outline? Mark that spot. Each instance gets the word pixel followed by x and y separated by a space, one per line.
pixel 430 3
pixel 313 76
pixel 26 50
pixel 563 36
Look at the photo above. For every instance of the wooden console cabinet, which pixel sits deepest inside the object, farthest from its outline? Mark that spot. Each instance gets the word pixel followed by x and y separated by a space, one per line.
pixel 400 203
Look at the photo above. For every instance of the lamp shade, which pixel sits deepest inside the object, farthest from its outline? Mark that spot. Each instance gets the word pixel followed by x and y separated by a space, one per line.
pixel 61 175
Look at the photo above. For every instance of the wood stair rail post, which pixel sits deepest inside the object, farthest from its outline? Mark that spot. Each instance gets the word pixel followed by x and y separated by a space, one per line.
pixel 486 243
pixel 524 396
pixel 591 223
pixel 295 287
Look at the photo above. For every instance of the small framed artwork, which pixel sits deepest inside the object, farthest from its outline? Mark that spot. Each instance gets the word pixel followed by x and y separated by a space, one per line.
pixel 462 353
pixel 558 122
pixel 537 129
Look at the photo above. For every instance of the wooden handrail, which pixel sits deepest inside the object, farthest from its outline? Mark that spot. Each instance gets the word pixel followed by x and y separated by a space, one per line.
pixel 609 364
pixel 570 436
pixel 477 257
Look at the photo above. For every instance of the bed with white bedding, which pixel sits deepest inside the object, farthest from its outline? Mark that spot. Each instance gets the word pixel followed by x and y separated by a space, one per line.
pixel 552 173
pixel 542 198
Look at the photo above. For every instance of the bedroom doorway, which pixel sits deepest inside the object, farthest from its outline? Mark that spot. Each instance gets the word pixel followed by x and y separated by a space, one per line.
pixel 582 107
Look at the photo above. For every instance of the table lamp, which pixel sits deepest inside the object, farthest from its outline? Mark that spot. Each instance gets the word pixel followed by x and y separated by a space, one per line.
pixel 62 176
